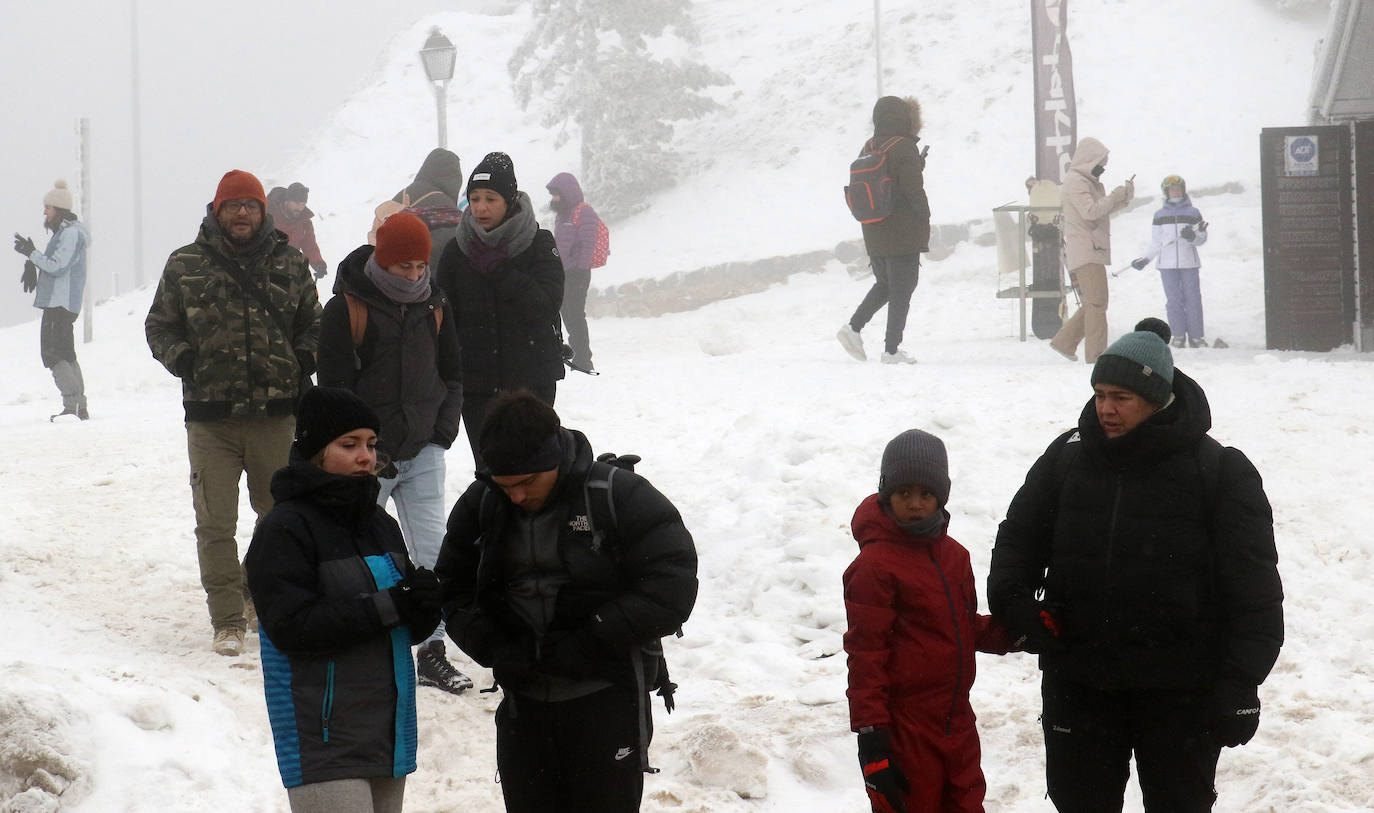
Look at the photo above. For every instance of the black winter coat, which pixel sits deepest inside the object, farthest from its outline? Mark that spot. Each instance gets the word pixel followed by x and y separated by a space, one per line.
pixel 907 230
pixel 409 374
pixel 336 662
pixel 637 587
pixel 508 319
pixel 1160 577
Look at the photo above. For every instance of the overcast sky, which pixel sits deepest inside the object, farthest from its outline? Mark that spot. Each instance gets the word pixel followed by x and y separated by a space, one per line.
pixel 223 86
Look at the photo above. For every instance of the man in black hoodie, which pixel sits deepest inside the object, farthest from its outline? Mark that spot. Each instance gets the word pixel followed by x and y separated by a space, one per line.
pixel 561 573
pixel 1139 561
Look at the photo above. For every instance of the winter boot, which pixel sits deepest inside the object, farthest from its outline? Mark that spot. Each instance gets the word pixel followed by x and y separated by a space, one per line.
pixel 228 642
pixel 433 669
pixel 1197 342
pixel 1178 341
pixel 852 343
pixel 900 357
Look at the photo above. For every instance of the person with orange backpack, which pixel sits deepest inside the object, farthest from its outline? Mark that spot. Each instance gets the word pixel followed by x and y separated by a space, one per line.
pixel 389 336
pixel 583 243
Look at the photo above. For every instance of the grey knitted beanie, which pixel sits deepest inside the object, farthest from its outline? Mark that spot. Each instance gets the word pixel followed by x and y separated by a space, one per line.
pixel 1140 361
pixel 915 457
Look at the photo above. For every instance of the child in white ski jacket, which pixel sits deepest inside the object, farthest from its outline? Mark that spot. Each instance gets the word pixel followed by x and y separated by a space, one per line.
pixel 1177 232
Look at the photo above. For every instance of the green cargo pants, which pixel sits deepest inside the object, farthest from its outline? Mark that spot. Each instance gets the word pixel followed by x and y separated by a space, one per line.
pixel 221 452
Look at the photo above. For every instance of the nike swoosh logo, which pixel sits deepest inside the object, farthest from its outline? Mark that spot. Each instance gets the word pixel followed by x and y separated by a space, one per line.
pixel 623 752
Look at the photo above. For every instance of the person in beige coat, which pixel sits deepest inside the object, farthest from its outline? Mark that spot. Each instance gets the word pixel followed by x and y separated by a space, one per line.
pixel 1088 248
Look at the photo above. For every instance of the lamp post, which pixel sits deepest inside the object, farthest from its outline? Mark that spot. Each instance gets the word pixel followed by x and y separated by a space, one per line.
pixel 439 56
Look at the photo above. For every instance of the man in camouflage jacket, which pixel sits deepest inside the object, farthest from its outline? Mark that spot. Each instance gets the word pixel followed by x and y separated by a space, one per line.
pixel 236 317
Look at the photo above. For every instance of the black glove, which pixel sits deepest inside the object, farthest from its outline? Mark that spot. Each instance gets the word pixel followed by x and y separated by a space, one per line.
pixel 1234 713
pixel 185 365
pixel 320 269
pixel 883 777
pixel 417 597
pixel 513 664
pixel 1202 226
pixel 29 279
pixel 1187 233
pixel 1140 262
pixel 306 361
pixel 24 245
pixel 1036 627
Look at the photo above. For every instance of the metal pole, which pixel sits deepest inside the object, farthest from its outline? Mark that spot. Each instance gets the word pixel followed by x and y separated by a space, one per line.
pixel 878 43
pixel 441 102
pixel 84 126
pixel 137 150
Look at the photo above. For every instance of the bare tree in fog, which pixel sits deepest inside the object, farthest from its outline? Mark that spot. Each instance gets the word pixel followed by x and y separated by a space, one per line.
pixel 588 63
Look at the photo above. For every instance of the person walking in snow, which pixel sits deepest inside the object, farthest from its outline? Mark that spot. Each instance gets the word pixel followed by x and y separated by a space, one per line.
pixel 895 243
pixel 913 628
pixel 237 319
pixel 1088 248
pixel 57 276
pixel 503 275
pixel 405 365
pixel 1177 231
pixel 574 229
pixel 1138 560
pixel 561 572
pixel 293 217
pixel 435 196
pixel 340 605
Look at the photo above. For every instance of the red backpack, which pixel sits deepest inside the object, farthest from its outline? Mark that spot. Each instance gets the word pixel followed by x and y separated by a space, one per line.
pixel 871 192
pixel 602 249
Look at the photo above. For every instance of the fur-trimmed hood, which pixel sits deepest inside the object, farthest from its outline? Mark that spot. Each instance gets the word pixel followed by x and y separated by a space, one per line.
pixel 894 116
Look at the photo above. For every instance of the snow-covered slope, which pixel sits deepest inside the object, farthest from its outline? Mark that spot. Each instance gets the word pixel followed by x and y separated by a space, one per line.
pixel 747 414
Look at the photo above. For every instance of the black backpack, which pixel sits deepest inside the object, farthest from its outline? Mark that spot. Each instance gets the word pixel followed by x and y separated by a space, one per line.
pixel 872 193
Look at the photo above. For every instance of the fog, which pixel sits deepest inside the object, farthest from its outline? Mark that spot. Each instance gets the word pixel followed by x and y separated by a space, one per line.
pixel 222 86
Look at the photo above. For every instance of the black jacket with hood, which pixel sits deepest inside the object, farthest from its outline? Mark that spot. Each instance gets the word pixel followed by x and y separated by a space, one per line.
pixel 1160 576
pixel 906 231
pixel 613 597
pixel 336 661
pixel 408 367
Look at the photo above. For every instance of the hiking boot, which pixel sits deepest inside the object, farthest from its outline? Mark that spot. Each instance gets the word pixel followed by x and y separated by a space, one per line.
pixel 852 343
pixel 82 414
pixel 250 614
pixel 433 669
pixel 1197 342
pixel 65 411
pixel 1178 341
pixel 900 357
pixel 228 641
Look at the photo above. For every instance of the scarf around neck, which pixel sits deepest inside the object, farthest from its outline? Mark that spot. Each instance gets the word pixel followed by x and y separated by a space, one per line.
pixel 486 249
pixel 398 289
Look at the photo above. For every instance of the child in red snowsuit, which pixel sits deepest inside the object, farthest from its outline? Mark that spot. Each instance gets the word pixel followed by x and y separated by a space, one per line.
pixel 913 628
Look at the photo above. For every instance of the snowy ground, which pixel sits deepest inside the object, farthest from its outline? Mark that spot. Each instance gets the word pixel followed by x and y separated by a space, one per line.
pixel 766 435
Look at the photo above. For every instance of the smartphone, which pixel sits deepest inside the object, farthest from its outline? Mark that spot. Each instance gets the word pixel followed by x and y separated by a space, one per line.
pixel 924 152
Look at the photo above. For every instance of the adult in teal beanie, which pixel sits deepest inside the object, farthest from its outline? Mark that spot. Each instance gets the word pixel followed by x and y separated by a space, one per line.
pixel 1138 561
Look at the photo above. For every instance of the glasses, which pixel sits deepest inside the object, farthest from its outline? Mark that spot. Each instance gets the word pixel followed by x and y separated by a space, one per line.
pixel 235 206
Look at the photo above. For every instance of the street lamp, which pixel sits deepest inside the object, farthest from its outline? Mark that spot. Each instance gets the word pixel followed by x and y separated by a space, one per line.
pixel 439 56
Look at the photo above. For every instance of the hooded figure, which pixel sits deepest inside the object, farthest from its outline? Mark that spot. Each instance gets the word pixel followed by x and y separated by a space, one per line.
pixel 574 230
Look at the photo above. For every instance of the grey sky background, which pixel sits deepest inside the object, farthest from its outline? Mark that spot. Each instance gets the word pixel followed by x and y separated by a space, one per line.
pixel 223 86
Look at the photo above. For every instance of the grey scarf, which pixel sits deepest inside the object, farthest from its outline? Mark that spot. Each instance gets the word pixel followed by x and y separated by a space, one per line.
pixel 484 249
pixel 398 289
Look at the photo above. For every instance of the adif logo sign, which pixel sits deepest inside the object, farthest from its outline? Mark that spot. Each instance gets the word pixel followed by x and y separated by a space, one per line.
pixel 1056 119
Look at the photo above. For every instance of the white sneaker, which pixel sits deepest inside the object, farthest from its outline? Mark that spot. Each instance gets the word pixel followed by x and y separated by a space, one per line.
pixel 228 641
pixel 852 343
pixel 900 357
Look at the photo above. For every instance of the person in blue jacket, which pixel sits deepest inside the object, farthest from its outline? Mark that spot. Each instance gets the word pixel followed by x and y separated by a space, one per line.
pixel 339 607
pixel 1177 232
pixel 58 275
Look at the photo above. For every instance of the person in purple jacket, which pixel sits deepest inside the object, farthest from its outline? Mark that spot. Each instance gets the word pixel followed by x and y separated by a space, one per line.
pixel 575 227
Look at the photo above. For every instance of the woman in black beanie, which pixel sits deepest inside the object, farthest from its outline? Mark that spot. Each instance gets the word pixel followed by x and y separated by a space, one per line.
pixel 504 277
pixel 340 605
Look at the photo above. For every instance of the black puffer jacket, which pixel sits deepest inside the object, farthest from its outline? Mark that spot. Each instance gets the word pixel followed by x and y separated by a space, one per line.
pixel 1160 577
pixel 336 662
pixel 637 587
pixel 407 372
pixel 508 320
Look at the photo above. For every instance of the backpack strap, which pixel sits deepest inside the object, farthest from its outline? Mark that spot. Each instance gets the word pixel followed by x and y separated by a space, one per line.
pixel 357 318
pixel 596 494
pixel 577 213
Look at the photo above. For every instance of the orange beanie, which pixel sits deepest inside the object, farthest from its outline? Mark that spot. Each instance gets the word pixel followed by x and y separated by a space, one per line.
pixel 237 184
pixel 402 238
